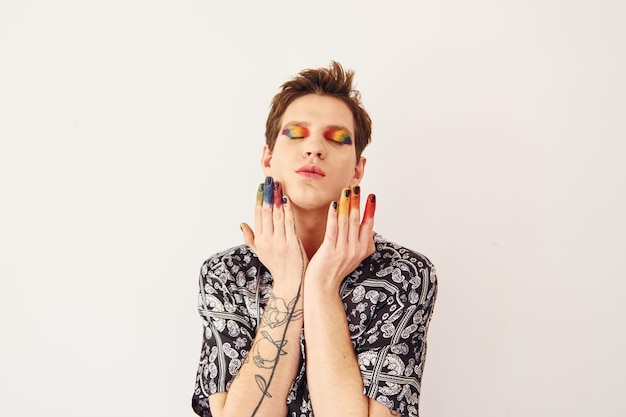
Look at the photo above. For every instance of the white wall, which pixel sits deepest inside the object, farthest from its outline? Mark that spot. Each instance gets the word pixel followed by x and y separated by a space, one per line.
pixel 130 138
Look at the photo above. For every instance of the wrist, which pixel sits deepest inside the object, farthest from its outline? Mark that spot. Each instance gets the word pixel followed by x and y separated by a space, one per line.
pixel 285 287
pixel 324 291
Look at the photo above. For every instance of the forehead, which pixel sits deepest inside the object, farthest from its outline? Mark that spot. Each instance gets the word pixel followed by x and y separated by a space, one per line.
pixel 319 111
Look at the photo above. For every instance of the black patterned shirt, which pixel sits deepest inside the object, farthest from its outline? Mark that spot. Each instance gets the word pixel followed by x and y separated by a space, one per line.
pixel 388 301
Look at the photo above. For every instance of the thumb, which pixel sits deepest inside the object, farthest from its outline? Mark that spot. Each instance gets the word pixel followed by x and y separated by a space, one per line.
pixel 248 235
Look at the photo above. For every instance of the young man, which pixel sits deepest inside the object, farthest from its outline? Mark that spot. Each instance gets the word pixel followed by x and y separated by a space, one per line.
pixel 315 313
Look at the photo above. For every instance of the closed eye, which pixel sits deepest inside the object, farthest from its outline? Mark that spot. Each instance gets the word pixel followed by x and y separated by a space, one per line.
pixel 296 132
pixel 338 136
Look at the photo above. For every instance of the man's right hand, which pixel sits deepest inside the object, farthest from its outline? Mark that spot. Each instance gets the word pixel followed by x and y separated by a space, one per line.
pixel 275 242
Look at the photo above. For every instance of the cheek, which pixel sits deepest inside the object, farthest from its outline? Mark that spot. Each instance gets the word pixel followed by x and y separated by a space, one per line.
pixel 348 165
pixel 276 170
pixel 347 173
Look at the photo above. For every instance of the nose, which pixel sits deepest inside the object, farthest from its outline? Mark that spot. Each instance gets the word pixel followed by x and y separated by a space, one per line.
pixel 315 147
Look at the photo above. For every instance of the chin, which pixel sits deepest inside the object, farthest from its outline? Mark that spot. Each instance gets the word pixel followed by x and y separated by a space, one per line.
pixel 310 203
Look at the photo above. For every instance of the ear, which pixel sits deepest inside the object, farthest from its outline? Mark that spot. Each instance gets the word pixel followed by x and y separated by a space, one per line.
pixel 266 161
pixel 359 171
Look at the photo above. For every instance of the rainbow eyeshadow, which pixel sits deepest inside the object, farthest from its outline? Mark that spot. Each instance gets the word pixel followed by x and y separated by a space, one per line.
pixel 338 135
pixel 296 132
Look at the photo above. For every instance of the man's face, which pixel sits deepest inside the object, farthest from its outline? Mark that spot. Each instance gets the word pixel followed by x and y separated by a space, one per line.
pixel 314 156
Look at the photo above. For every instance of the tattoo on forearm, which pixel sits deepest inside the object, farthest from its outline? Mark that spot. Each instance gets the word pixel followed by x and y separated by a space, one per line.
pixel 278 312
pixel 266 351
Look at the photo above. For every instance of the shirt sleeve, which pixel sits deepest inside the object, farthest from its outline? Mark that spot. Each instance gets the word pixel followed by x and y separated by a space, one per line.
pixel 228 329
pixel 391 341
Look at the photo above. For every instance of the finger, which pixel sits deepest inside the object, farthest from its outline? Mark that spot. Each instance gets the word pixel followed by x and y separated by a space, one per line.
pixel 258 224
pixel 290 221
pixel 367 226
pixel 259 195
pixel 343 215
pixel 291 233
pixel 331 224
pixel 268 202
pixel 344 202
pixel 355 214
pixel 268 191
pixel 248 235
pixel 370 209
pixel 278 194
pixel 278 212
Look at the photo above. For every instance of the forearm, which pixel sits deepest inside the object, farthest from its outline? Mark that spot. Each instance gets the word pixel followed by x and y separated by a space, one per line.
pixel 333 373
pixel 263 381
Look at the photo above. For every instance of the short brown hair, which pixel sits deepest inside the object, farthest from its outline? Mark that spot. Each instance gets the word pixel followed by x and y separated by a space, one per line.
pixel 333 81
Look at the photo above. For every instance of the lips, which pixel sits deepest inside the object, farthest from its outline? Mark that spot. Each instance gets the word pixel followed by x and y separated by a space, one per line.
pixel 311 171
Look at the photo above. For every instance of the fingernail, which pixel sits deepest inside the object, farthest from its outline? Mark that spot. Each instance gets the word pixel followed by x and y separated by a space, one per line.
pixel 269 181
pixel 347 192
pixel 284 200
pixel 357 190
pixel 260 187
pixel 335 205
pixel 373 198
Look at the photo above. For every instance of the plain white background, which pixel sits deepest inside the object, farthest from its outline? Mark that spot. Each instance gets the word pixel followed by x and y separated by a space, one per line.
pixel 131 134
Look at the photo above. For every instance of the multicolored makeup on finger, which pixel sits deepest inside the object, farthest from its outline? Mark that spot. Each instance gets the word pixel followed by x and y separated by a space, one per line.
pixel 278 193
pixel 370 207
pixel 268 191
pixel 338 135
pixel 356 198
pixel 259 195
pixel 344 201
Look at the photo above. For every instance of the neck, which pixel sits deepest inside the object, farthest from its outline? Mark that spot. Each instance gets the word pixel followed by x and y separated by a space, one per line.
pixel 311 227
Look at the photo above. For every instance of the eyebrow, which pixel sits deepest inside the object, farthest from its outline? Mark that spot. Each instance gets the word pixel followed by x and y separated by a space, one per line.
pixel 296 123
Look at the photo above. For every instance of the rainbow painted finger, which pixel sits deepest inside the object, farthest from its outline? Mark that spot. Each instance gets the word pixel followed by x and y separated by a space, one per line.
pixel 259 195
pixel 278 193
pixel 370 207
pixel 344 201
pixel 268 191
pixel 355 203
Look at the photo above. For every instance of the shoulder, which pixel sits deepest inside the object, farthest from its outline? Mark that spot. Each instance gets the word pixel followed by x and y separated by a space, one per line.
pixel 232 282
pixel 230 259
pixel 390 254
pixel 402 269
pixel 237 265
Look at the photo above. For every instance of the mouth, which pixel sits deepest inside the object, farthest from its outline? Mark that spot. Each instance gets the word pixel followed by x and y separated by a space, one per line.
pixel 311 171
